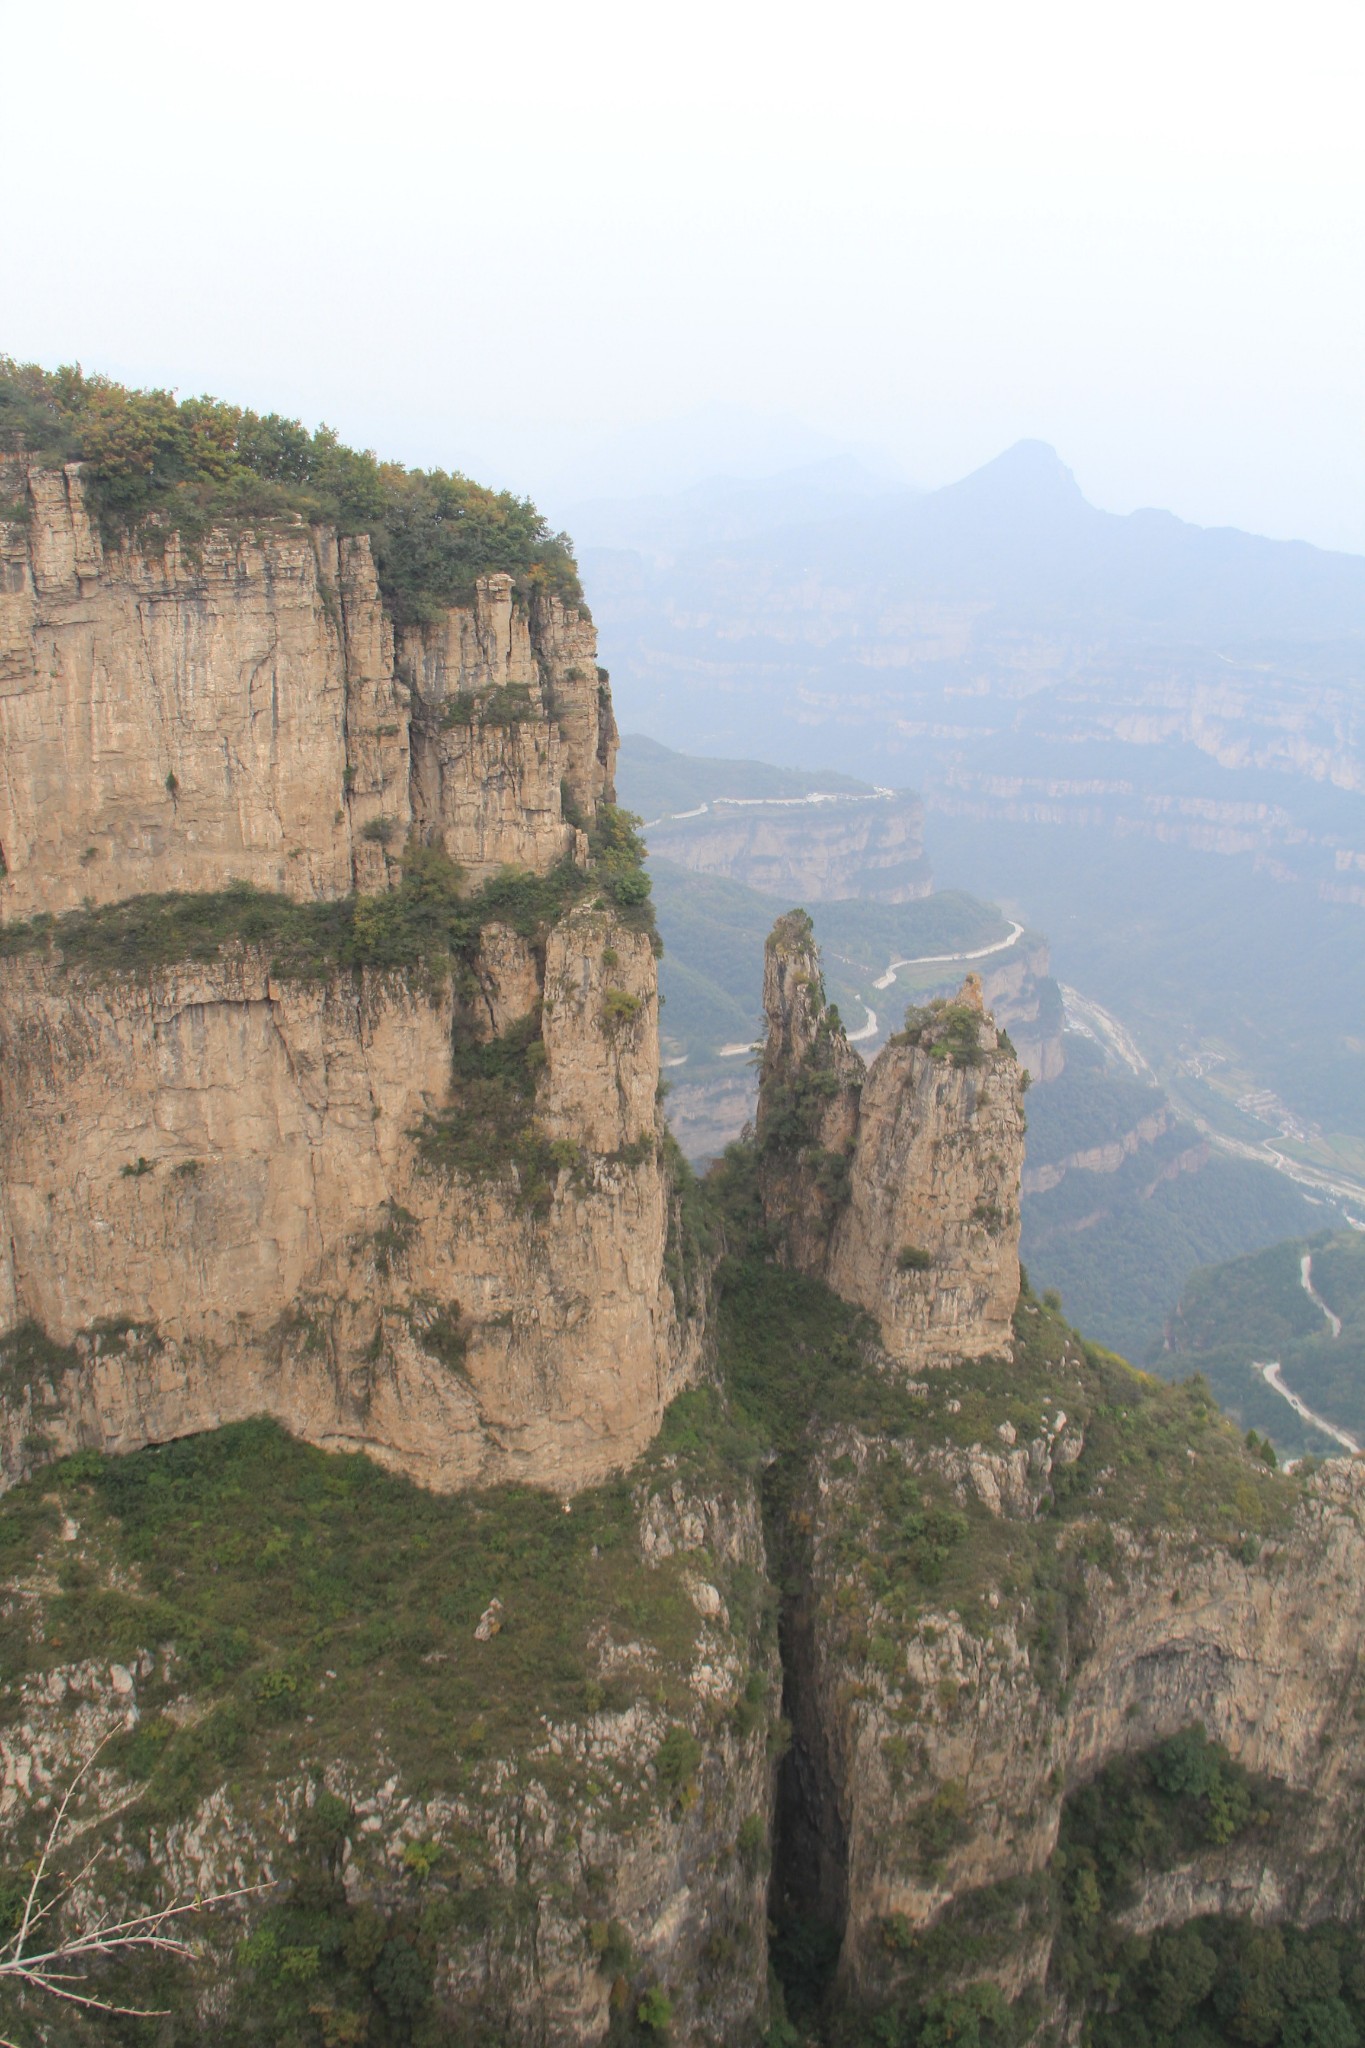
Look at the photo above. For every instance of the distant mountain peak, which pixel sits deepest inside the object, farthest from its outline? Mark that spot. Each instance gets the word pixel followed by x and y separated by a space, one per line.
pixel 1031 473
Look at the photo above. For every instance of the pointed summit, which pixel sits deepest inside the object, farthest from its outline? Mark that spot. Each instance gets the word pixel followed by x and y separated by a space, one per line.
pixel 1028 478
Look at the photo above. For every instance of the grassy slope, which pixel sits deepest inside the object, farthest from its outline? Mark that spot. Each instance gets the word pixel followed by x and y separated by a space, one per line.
pixel 312 1613
pixel 1119 1247
pixel 1255 1308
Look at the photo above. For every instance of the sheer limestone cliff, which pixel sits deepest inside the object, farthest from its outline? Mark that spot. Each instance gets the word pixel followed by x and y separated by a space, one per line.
pixel 246 712
pixel 898 1184
pixel 421 1210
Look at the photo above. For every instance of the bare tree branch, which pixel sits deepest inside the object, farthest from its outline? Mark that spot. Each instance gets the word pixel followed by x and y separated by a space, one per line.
pixel 53 1832
pixel 43 1970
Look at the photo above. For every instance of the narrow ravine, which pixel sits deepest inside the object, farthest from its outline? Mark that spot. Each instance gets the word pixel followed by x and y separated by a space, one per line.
pixel 808 1887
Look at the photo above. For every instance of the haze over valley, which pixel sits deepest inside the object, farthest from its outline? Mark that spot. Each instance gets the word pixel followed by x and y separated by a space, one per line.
pixel 682 1027
pixel 1136 738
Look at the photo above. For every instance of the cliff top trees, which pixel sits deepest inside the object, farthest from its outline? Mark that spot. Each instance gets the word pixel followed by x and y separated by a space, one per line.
pixel 152 462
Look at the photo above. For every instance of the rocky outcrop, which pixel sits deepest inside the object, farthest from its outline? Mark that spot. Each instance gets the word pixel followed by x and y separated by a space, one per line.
pixel 1018 989
pixel 219 1200
pixel 807 1117
pixel 898 1184
pixel 549 1881
pixel 951 1757
pixel 229 1191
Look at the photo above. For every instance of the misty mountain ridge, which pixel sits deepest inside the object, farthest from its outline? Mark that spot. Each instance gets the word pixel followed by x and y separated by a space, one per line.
pixel 726 509
pixel 1017 537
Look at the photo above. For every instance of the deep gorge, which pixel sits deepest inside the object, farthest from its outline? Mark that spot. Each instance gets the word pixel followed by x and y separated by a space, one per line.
pixel 523 1572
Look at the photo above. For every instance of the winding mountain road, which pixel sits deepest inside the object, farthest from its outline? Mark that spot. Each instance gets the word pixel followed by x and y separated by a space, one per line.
pixel 1269 1369
pixel 947 959
pixel 1271 1373
pixel 1306 1282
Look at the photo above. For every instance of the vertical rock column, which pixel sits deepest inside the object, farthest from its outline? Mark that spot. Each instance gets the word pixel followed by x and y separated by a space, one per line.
pixel 899 1184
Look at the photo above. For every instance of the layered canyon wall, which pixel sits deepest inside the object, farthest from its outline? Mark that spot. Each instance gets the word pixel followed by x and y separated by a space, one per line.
pixel 246 711
pixel 223 1181
pixel 818 850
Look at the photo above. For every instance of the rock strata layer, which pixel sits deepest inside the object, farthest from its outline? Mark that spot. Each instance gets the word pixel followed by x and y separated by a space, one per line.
pixel 820 852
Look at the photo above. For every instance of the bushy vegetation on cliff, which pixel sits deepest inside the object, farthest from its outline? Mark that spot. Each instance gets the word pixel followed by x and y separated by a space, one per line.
pixel 428 924
pixel 295 1615
pixel 153 463
pixel 1214 1980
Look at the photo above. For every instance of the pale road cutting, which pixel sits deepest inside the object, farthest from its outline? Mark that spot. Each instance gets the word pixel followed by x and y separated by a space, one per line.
pixel 1270 1373
pixel 1085 1016
pixel 1306 1281
pixel 947 959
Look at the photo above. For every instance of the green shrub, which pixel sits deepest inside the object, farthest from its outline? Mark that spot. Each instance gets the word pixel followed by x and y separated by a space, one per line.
pixel 676 1760
pixel 655 2013
pixel 751 1844
pixel 427 925
pixel 489 1123
pixel 611 1945
pixel 940 1823
pixel 421 1858
pixel 507 704
pixel 619 850
pixel 947 1031
pixel 446 1336
pixel 912 1258
pixel 619 1009
pixel 389 1244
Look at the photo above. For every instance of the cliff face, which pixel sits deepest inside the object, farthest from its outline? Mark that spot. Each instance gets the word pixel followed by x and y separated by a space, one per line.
pixel 225 1189
pixel 898 1185
pixel 1018 989
pixel 241 713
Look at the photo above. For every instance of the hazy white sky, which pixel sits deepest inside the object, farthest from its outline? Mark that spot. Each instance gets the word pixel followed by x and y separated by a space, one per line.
pixel 509 238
